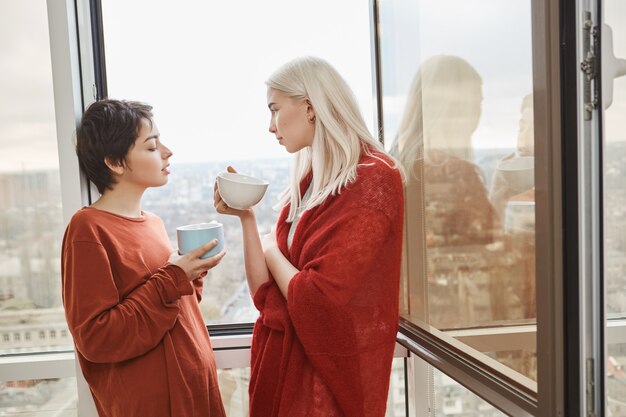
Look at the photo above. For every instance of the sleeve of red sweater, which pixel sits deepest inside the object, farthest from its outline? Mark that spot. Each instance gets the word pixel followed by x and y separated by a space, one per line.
pixel 198 284
pixel 99 319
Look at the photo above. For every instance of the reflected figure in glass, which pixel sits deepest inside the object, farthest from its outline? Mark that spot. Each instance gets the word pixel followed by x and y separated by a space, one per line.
pixel 513 195
pixel 449 213
pixel 514 175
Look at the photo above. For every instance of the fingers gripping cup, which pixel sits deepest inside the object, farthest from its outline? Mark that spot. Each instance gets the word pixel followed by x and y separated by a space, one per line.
pixel 193 236
pixel 240 191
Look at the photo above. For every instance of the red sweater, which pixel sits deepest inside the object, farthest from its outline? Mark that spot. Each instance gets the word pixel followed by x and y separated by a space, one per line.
pixel 327 349
pixel 141 341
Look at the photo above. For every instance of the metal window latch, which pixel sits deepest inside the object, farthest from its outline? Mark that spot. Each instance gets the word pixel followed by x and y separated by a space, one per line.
pixel 590 389
pixel 589 66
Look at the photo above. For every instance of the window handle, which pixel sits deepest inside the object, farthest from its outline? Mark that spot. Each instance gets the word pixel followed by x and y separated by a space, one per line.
pixel 611 67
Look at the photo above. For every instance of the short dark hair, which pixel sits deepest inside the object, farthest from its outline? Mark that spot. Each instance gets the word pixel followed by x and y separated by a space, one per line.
pixel 107 130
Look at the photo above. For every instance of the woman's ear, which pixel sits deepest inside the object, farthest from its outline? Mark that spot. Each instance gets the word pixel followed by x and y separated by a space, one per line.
pixel 310 111
pixel 115 167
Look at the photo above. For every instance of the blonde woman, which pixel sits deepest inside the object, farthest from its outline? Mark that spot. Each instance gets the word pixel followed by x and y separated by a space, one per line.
pixel 326 279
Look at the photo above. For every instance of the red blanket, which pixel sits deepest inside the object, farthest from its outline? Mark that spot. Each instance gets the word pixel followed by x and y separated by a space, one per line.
pixel 327 350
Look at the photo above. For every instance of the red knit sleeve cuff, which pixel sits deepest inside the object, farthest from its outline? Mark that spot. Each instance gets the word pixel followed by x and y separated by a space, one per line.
pixel 261 294
pixel 175 282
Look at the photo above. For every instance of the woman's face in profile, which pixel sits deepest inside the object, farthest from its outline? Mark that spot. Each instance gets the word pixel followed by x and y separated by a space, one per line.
pixel 290 121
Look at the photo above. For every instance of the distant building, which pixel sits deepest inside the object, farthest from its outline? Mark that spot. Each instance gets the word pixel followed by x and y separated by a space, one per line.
pixel 34 330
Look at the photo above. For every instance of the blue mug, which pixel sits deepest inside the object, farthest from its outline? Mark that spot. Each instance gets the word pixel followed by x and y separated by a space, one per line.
pixel 192 236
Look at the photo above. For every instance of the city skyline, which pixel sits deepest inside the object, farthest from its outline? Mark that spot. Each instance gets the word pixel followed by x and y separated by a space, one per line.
pixel 188 199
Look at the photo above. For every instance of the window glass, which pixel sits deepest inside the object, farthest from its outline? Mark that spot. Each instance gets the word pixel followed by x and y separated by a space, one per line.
pixel 202 65
pixel 458 114
pixel 38 398
pixel 616 377
pixel 452 399
pixel 614 219
pixel 234 390
pixel 397 399
pixel 31 221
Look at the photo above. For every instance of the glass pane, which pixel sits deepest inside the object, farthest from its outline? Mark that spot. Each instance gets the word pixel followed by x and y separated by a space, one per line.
pixel 459 117
pixel 453 399
pixel 396 401
pixel 234 389
pixel 442 396
pixel 616 377
pixel 614 219
pixel 38 398
pixel 31 222
pixel 203 70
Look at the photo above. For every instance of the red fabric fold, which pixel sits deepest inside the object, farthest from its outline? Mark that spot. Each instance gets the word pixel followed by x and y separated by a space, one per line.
pixel 327 349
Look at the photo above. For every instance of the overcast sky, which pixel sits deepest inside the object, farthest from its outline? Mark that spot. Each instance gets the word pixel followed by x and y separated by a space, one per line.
pixel 27 126
pixel 202 65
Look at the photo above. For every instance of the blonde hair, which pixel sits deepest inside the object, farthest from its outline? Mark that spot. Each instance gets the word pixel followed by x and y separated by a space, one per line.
pixel 438 100
pixel 340 131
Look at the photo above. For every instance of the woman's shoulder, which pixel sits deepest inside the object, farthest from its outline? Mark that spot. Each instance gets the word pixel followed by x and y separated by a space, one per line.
pixel 378 185
pixel 378 167
pixel 84 225
pixel 149 216
pixel 89 214
pixel 85 217
pixel 90 223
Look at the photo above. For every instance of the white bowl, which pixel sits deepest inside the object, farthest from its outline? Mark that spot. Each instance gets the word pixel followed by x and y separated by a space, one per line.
pixel 518 172
pixel 240 191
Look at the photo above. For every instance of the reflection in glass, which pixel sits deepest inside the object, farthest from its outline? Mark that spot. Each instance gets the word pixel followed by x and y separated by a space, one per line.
pixel 459 117
pixel 514 173
pixel 616 379
pixel 513 196
pixel 434 145
pixel 234 389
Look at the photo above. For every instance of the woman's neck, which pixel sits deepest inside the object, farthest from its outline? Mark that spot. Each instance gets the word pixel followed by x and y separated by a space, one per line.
pixel 121 200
